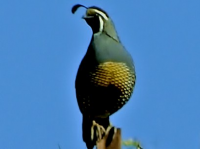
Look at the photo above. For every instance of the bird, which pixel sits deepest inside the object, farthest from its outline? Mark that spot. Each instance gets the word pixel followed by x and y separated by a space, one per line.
pixel 105 78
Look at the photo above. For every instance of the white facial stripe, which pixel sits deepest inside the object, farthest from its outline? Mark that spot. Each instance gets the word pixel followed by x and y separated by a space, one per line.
pixel 101 24
pixel 102 14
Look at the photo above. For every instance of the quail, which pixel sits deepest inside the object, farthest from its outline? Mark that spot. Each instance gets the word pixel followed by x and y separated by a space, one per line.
pixel 106 76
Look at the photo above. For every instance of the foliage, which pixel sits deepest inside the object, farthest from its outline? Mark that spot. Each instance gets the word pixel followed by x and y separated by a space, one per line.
pixel 132 143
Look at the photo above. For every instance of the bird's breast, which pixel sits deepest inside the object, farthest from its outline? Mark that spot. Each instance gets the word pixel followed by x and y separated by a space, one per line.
pixel 105 88
pixel 112 73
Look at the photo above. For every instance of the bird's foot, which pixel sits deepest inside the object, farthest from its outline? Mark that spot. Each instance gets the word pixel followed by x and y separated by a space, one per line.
pixel 97 132
pixel 110 132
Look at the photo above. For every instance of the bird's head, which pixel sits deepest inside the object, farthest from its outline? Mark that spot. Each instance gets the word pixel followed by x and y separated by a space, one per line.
pixel 98 20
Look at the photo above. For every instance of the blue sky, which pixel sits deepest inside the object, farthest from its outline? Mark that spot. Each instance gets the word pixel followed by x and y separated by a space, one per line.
pixel 42 44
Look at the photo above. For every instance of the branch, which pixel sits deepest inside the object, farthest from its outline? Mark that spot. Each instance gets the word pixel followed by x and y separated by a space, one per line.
pixel 115 144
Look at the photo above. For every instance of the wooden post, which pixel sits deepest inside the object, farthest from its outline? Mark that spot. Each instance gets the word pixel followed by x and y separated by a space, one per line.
pixel 115 144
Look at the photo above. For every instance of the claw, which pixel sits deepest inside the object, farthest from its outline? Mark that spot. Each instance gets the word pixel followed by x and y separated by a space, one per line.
pixel 110 132
pixel 99 133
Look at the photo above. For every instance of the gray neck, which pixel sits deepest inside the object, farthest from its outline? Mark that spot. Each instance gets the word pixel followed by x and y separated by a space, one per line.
pixel 109 30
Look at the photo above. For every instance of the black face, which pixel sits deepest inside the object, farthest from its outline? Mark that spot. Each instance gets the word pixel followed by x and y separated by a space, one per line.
pixel 93 22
